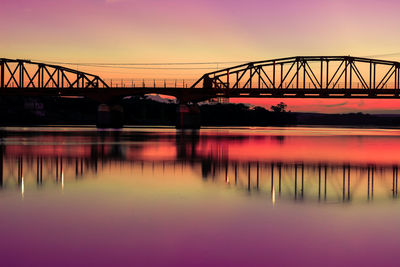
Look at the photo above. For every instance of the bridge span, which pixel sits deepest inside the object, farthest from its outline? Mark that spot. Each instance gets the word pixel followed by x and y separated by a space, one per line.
pixel 294 77
pixel 291 77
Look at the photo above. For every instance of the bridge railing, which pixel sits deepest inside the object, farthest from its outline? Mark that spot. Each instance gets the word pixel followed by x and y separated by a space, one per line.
pixel 149 83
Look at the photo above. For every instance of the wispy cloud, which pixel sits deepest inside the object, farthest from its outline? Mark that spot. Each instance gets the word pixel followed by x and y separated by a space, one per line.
pixel 337 105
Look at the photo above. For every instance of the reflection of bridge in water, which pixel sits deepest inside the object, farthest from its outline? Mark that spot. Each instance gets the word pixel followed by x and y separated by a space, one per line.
pixel 276 179
pixel 300 181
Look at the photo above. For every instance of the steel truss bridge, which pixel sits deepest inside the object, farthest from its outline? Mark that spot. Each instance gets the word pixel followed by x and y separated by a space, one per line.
pixel 291 77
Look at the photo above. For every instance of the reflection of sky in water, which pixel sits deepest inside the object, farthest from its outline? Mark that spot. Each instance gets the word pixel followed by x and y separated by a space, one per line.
pixel 222 197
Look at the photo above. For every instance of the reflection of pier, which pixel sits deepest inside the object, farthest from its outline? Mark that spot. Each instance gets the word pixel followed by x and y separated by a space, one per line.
pixel 285 180
pixel 309 180
pixel 39 169
pixel 300 181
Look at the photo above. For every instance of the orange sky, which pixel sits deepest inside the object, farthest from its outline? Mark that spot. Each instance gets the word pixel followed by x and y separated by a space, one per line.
pixel 150 31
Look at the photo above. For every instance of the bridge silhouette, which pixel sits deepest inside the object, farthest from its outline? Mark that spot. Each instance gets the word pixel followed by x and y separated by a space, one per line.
pixel 291 77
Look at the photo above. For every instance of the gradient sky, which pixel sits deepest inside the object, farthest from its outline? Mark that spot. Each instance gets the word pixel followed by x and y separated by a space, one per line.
pixel 148 31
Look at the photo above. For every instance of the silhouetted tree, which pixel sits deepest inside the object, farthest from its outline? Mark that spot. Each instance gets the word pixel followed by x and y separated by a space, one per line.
pixel 281 107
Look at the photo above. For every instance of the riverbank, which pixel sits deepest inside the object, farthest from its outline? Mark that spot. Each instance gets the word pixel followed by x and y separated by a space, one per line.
pixel 18 111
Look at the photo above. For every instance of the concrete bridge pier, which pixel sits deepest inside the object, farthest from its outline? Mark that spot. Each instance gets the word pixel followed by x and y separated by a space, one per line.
pixel 110 116
pixel 188 116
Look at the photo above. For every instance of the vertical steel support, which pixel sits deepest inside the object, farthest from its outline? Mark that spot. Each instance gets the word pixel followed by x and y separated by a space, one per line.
pixel 273 77
pixel 327 74
pixel 21 74
pixel 237 79
pixel 345 73
pixel 58 78
pixel 259 77
pixel 251 78
pixel 374 77
pixel 304 74
pixel 39 76
pixel 398 77
pixel 351 73
pixel 370 75
pixel 281 75
pixel 42 75
pixel 227 79
pixel 322 70
pixel 297 73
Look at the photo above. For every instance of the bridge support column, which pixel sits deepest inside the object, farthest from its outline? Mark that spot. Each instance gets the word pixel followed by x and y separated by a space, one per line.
pixel 188 116
pixel 110 116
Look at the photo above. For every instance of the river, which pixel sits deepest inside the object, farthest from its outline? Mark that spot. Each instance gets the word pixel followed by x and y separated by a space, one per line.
pixel 219 196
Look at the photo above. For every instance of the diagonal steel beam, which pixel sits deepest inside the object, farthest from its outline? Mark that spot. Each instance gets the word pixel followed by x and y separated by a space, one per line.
pixel 287 73
pixel 383 79
pixel 12 73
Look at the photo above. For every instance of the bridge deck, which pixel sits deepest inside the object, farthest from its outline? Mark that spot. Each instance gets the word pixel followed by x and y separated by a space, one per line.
pixel 201 93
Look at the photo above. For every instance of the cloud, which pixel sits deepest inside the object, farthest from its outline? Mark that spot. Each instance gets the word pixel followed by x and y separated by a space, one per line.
pixel 336 105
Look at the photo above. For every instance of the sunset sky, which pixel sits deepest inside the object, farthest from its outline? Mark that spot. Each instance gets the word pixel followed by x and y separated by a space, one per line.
pixel 156 31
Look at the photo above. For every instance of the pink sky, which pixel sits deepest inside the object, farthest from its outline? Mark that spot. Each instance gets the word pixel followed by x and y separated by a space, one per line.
pixel 149 31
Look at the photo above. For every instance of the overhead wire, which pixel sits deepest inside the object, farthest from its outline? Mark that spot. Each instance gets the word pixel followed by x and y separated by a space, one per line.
pixel 385 55
pixel 149 66
pixel 182 66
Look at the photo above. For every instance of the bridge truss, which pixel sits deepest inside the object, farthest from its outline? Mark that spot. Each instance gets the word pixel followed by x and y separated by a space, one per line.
pixel 291 77
pixel 311 76
pixel 25 74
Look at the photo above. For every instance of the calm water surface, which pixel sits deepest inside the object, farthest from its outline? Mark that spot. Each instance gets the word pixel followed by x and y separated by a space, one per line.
pixel 218 197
